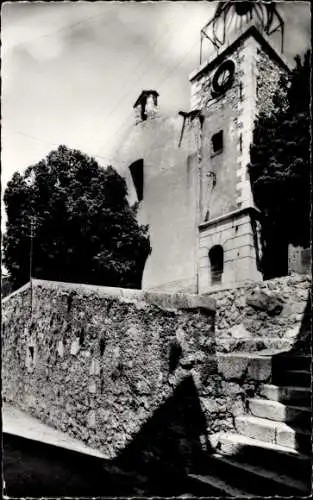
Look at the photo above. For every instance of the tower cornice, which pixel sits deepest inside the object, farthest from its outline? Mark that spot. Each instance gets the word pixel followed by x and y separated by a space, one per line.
pixel 252 31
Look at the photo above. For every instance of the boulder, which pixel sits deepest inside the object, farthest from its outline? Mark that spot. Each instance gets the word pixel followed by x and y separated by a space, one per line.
pixel 264 301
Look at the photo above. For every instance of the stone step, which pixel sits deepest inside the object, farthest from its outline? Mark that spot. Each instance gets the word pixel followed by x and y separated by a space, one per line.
pixel 299 378
pixel 236 365
pixel 301 396
pixel 274 432
pixel 292 362
pixel 273 410
pixel 211 486
pixel 259 480
pixel 270 456
pixel 250 345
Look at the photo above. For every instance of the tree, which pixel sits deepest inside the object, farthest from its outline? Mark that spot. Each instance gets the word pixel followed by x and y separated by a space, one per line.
pixel 82 225
pixel 280 170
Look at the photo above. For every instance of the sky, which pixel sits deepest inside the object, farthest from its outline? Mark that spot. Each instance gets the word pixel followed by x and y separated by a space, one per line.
pixel 71 71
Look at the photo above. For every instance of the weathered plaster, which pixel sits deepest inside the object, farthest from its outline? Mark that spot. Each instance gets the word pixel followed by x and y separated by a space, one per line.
pixel 170 199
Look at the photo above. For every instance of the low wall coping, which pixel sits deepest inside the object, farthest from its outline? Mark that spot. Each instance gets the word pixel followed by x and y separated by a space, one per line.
pixel 165 301
pixel 16 292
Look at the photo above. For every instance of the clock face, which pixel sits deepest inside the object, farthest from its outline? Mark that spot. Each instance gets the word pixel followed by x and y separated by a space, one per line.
pixel 223 77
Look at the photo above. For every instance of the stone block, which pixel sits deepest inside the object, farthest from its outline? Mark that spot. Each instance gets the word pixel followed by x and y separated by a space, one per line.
pixel 260 368
pixel 91 419
pixel 239 332
pixel 94 367
pixel 256 428
pixel 264 301
pixel 230 367
pixel 240 366
pixel 75 346
pixel 181 338
pixel 287 436
pixel 60 348
pixel 187 362
pixel 92 388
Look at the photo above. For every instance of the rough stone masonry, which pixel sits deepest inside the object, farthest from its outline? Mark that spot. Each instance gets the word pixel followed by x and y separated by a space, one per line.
pixel 127 370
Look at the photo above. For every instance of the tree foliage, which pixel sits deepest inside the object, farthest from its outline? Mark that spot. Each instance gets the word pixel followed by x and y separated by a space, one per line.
pixel 280 169
pixel 84 229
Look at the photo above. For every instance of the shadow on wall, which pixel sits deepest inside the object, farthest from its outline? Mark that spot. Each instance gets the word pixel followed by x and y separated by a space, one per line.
pixel 171 443
pixel 175 435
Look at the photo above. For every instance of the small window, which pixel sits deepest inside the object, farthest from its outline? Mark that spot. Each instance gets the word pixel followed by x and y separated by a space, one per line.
pixel 240 143
pixel 217 142
pixel 240 91
pixel 216 256
pixel 136 170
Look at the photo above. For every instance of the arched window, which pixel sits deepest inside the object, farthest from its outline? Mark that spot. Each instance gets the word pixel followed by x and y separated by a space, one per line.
pixel 136 170
pixel 216 256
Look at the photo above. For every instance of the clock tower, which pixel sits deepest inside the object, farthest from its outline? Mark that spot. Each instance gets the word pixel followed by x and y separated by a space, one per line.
pixel 236 81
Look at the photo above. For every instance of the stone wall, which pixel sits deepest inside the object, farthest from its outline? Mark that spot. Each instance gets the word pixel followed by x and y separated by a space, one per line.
pixel 111 367
pixel 143 377
pixel 268 74
pixel 299 259
pixel 240 326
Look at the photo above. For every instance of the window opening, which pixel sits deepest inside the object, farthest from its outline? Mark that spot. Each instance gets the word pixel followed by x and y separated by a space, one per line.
pixel 102 346
pixel 136 170
pixel 217 142
pixel 216 256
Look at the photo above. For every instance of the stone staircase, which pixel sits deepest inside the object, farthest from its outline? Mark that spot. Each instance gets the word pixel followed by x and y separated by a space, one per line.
pixel 270 454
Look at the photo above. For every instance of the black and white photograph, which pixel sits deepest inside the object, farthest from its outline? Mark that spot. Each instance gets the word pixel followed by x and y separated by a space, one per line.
pixel 156 251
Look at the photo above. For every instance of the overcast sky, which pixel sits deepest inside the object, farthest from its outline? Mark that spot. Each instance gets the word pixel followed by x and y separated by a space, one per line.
pixel 71 71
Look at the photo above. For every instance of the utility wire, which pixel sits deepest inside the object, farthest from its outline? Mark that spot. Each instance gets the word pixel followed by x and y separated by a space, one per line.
pixel 178 64
pixel 43 141
pixel 71 28
pixel 68 28
pixel 167 76
pixel 142 63
pixel 160 84
pixel 19 132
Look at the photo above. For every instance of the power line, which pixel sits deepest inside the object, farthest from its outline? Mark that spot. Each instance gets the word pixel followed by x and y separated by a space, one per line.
pixel 178 64
pixel 162 82
pixel 69 28
pixel 120 100
pixel 55 143
pixel 24 134
pixel 167 75
pixel 141 75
